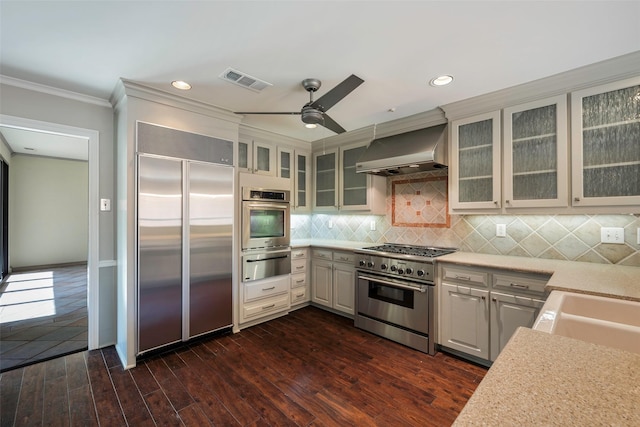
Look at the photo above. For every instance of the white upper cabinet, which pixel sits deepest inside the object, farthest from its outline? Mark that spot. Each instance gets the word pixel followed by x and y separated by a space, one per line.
pixel 535 164
pixel 285 162
pixel 339 188
pixel 302 181
pixel 605 144
pixel 475 162
pixel 257 157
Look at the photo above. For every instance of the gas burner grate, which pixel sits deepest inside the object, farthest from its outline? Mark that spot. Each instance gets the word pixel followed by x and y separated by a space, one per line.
pixel 422 251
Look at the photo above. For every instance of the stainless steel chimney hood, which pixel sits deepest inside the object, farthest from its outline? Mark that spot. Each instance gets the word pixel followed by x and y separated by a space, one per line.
pixel 410 152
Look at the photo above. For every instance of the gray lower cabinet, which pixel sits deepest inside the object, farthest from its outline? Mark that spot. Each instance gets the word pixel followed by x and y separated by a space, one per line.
pixel 480 309
pixel 333 279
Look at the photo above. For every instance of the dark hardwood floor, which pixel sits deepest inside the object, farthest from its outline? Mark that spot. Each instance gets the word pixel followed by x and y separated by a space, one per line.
pixel 310 368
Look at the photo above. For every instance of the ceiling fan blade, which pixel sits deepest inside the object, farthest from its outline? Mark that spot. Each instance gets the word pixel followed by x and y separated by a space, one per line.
pixel 332 97
pixel 269 112
pixel 330 124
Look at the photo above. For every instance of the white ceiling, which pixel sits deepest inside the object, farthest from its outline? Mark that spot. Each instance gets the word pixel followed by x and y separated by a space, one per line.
pixel 395 46
pixel 35 143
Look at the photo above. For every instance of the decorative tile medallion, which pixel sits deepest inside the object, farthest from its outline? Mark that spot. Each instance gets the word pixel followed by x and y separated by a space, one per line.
pixel 420 202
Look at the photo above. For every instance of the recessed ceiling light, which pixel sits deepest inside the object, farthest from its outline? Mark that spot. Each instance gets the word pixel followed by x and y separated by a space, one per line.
pixel 441 80
pixel 310 125
pixel 179 84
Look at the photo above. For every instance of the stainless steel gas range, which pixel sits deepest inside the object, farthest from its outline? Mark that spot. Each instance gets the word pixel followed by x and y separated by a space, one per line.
pixel 395 293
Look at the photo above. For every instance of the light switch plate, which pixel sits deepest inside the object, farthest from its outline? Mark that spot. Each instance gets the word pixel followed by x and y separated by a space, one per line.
pixel 501 230
pixel 612 235
pixel 105 205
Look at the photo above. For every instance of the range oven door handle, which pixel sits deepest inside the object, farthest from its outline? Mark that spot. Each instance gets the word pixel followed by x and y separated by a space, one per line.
pixel 393 284
pixel 267 259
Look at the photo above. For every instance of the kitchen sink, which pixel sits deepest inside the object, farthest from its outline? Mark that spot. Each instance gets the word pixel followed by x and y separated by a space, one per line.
pixel 599 320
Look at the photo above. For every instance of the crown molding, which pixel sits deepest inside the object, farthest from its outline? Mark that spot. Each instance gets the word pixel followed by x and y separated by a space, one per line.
pixel 137 90
pixel 619 68
pixel 380 130
pixel 50 90
pixel 251 132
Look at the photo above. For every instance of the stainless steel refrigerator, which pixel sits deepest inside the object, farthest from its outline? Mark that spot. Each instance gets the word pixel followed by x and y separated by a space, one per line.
pixel 185 229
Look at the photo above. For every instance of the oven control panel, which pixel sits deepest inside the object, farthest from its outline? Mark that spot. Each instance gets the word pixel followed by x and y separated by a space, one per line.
pixel 422 271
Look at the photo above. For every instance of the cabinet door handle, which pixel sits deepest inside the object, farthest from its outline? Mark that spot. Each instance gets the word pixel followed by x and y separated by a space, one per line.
pixel 269 289
pixel 493 299
pixel 507 202
pixel 516 285
pixel 483 298
pixel 300 267
pixel 300 295
pixel 463 277
pixel 576 199
pixel 300 281
pixel 266 307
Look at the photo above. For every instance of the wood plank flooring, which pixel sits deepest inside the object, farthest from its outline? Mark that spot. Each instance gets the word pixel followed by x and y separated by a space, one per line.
pixel 310 368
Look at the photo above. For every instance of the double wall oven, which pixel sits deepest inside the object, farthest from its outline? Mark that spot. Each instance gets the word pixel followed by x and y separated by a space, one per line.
pixel 265 233
pixel 395 295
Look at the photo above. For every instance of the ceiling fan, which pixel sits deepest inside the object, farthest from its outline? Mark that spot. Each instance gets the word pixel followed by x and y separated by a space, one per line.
pixel 314 112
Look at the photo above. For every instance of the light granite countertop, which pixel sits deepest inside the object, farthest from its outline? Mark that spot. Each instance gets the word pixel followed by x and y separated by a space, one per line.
pixel 330 244
pixel 608 280
pixel 543 379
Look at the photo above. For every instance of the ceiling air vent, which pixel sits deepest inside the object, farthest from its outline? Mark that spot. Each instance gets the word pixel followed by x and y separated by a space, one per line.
pixel 242 79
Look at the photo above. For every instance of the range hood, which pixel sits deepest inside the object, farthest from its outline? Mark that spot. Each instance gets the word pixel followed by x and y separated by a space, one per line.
pixel 416 151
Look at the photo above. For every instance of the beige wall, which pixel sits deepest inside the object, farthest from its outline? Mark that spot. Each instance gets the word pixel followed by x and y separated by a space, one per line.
pixel 48 211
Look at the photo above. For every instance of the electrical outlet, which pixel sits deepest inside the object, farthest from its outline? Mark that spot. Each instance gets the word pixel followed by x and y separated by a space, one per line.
pixel 501 230
pixel 372 226
pixel 612 235
pixel 330 224
pixel 638 242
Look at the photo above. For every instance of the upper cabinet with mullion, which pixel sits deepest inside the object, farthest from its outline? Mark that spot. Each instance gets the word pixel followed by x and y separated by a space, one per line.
pixel 475 168
pixel 606 144
pixel 535 154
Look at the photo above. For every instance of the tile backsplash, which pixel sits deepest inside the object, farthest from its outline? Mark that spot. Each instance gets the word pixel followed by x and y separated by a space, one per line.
pixel 564 237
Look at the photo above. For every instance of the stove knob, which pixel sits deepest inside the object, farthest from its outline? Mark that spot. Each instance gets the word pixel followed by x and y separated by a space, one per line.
pixel 420 273
pixel 394 268
pixel 370 264
pixel 383 266
pixel 400 271
pixel 409 270
pixel 362 263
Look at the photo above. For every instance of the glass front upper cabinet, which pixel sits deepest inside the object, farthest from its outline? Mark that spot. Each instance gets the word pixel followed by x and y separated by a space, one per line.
pixel 606 144
pixel 535 154
pixel 326 180
pixel 354 185
pixel 475 167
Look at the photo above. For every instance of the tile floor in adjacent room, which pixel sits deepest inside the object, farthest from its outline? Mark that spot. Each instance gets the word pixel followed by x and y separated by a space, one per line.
pixel 43 314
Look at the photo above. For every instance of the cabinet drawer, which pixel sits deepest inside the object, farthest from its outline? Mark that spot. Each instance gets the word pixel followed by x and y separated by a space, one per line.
pixel 347 257
pixel 462 275
pixel 322 254
pixel 266 307
pixel 266 288
pixel 300 295
pixel 298 280
pixel 517 299
pixel 298 266
pixel 298 253
pixel 519 283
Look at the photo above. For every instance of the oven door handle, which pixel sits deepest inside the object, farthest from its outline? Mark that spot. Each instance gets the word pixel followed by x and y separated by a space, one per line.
pixel 268 259
pixel 393 284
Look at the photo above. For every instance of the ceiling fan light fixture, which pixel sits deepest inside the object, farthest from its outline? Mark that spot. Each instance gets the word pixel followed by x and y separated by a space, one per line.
pixel 182 85
pixel 310 125
pixel 311 116
pixel 441 80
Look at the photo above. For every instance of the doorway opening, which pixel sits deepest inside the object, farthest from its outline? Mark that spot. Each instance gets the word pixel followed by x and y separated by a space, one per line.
pixel 49 308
